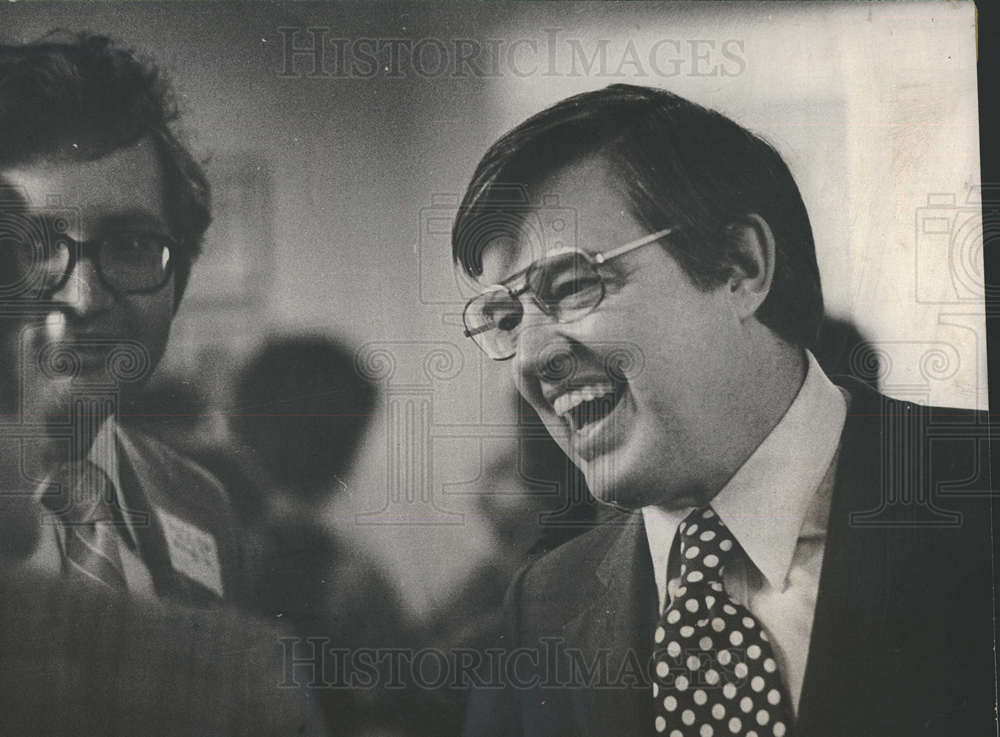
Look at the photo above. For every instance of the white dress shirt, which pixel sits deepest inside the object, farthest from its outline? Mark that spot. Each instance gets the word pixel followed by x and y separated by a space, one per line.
pixel 103 454
pixel 776 506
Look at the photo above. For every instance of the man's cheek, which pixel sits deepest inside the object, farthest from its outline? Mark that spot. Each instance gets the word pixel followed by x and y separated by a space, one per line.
pixel 11 369
pixel 46 399
pixel 155 324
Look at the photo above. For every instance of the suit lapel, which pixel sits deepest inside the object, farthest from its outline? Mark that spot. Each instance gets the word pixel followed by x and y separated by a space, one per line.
pixel 617 629
pixel 853 594
pixel 143 499
pixel 151 540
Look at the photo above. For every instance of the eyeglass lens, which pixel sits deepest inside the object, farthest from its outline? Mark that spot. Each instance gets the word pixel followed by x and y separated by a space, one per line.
pixel 135 262
pixel 127 262
pixel 565 286
pixel 37 260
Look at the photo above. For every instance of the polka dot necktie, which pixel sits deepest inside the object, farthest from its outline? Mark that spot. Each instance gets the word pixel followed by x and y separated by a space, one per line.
pixel 714 670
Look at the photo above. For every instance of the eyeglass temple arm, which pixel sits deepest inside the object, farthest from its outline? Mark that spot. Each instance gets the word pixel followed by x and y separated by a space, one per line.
pixel 476 331
pixel 631 246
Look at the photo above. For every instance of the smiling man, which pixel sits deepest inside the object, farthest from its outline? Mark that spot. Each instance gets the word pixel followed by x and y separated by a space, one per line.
pixel 648 272
pixel 102 212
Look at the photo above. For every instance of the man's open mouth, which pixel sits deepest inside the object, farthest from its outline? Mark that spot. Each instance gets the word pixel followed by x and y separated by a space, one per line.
pixel 588 404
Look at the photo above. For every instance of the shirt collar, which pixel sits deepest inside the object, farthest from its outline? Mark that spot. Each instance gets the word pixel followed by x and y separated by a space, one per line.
pixel 104 453
pixel 765 503
pixel 661 527
pixel 121 446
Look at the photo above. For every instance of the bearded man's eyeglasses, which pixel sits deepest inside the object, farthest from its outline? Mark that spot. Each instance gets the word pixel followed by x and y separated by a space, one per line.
pixel 566 285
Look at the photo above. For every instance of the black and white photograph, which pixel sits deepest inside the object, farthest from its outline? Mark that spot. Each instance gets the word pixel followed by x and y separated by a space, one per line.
pixel 516 369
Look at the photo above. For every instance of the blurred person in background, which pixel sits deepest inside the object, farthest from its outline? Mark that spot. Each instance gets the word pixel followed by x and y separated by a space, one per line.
pixel 300 415
pixel 533 500
pixel 102 213
pixel 80 659
pixel 107 536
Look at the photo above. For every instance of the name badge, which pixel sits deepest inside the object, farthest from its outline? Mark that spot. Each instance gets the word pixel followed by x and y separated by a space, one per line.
pixel 192 551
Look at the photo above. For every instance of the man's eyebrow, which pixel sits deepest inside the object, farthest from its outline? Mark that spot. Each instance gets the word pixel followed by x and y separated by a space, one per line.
pixel 133 218
pixel 520 274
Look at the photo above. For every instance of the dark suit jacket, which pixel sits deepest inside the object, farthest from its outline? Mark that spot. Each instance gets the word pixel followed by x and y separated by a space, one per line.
pixel 158 478
pixel 156 484
pixel 902 641
pixel 80 660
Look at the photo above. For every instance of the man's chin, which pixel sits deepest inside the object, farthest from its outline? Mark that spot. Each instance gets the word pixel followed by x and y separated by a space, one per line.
pixel 613 480
pixel 615 491
pixel 630 499
pixel 632 491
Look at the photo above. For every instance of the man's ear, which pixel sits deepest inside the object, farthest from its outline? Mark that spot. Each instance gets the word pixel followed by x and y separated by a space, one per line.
pixel 753 270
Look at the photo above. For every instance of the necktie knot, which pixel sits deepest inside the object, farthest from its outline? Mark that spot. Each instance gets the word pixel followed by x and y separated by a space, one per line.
pixel 82 493
pixel 706 546
pixel 715 671
pixel 83 498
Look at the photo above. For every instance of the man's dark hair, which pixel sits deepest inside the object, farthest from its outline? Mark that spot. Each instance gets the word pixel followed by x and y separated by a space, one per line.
pixel 680 165
pixel 83 97
pixel 303 407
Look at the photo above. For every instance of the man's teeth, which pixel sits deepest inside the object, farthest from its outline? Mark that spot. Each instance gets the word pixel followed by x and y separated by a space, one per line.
pixel 564 403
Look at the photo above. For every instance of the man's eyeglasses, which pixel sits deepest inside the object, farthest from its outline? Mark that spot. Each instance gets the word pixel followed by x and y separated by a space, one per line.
pixel 126 262
pixel 565 284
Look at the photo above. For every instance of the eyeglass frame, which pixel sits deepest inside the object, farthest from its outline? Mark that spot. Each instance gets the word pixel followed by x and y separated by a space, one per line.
pixel 515 290
pixel 91 249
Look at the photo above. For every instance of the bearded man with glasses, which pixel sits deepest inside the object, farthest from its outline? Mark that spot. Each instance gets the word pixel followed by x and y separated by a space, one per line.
pixel 767 575
pixel 102 213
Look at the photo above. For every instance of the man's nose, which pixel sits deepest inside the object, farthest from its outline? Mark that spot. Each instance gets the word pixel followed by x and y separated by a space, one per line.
pixel 84 293
pixel 544 351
